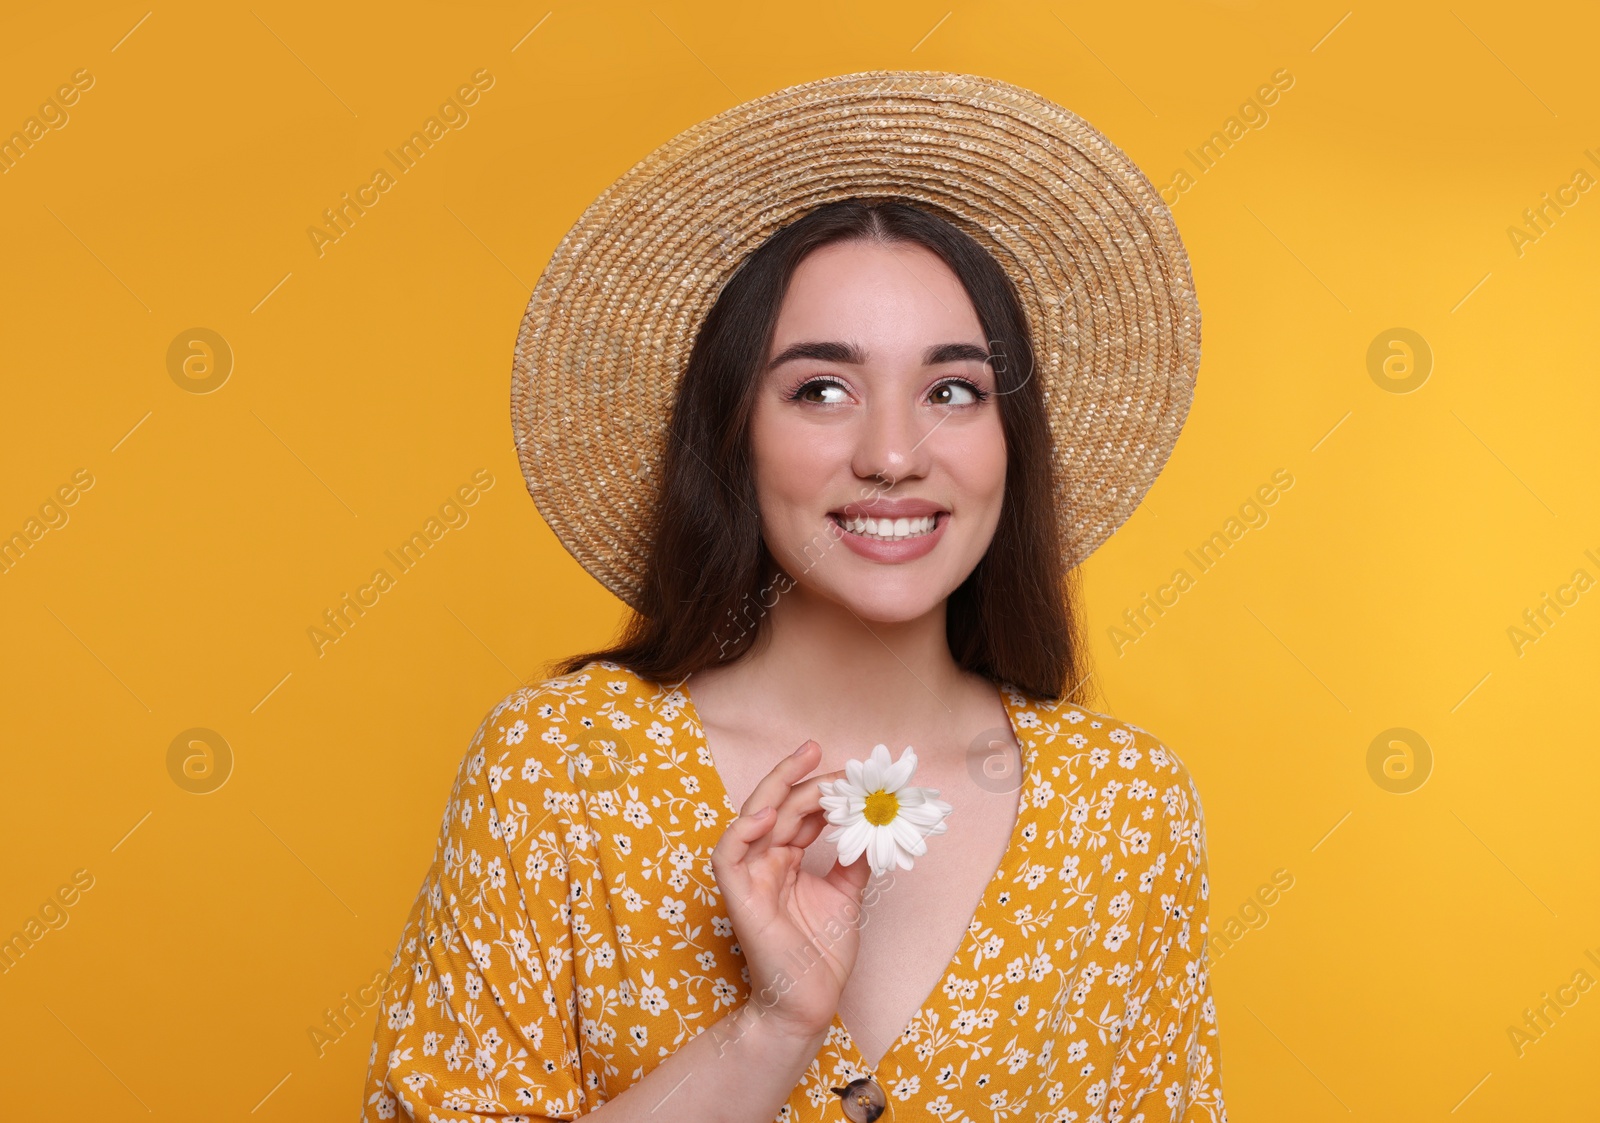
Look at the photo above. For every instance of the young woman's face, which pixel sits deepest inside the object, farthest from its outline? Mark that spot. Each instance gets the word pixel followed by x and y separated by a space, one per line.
pixel 879 457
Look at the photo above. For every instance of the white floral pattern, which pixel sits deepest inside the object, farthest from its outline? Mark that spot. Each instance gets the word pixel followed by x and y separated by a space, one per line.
pixel 569 934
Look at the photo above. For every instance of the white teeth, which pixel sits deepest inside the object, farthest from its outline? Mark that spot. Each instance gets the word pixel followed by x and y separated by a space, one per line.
pixel 890 530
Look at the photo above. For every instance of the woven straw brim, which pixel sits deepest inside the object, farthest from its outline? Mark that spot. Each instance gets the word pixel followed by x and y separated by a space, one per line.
pixel 1087 241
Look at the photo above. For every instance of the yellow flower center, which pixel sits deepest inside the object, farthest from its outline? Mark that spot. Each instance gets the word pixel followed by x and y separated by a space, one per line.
pixel 881 808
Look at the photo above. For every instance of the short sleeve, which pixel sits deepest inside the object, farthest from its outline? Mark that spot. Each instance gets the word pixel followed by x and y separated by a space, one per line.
pixel 1169 1054
pixel 476 1024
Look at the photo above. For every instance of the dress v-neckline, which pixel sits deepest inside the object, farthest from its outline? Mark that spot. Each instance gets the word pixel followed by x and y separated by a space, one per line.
pixel 1008 862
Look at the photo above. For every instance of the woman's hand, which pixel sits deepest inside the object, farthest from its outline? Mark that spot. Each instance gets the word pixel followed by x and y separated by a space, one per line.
pixel 799 932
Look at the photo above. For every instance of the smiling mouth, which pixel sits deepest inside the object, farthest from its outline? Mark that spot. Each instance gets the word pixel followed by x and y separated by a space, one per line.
pixel 890 530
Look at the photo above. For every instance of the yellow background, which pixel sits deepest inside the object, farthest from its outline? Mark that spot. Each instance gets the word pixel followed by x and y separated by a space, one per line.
pixel 372 381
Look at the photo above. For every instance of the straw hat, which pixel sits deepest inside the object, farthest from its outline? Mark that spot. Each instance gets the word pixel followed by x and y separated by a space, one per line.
pixel 1089 245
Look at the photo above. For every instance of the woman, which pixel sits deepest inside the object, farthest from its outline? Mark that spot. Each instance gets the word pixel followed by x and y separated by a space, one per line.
pixel 854 541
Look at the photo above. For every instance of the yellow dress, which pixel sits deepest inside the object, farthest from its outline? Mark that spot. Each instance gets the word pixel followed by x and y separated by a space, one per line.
pixel 569 935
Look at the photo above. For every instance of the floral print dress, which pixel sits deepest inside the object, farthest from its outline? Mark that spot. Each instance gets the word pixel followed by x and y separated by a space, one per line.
pixel 570 933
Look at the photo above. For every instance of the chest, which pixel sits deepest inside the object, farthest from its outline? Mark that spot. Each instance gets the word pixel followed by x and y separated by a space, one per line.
pixel 917 921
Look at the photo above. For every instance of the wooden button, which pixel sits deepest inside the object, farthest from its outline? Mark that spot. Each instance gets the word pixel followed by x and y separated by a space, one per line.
pixel 863 1100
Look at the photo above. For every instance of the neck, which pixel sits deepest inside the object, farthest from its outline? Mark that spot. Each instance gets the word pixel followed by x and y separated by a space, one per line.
pixel 817 658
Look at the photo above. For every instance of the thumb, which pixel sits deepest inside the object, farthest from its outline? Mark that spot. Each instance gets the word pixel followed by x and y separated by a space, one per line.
pixel 852 879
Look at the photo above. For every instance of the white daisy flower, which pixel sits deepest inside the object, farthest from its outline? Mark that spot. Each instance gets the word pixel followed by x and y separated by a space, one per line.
pixel 876 811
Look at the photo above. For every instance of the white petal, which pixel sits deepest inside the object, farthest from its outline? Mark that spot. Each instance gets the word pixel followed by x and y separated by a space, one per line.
pixel 898 774
pixel 854 840
pixel 876 765
pixel 852 771
pixel 884 848
pixel 908 837
pixel 922 814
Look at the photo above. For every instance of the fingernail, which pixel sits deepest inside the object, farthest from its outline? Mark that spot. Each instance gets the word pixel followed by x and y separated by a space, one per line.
pixel 762 814
pixel 801 749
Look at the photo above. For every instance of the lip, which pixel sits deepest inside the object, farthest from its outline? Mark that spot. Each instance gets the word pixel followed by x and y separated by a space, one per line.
pixel 909 549
pixel 898 508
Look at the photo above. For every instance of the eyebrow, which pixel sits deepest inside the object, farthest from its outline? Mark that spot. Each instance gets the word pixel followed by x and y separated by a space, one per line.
pixel 832 352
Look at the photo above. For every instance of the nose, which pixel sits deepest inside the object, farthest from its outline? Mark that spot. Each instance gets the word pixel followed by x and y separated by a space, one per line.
pixel 892 441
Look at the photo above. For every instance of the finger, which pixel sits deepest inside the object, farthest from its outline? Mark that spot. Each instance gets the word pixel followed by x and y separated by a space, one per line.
pixel 804 798
pixel 771 789
pixel 729 863
pixel 851 879
pixel 731 849
pixel 809 828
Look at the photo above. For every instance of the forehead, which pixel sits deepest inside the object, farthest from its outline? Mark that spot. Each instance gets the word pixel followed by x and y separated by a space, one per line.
pixel 894 294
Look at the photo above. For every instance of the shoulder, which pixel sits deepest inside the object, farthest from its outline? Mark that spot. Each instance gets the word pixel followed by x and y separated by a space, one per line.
pixel 599 698
pixel 573 733
pixel 1108 761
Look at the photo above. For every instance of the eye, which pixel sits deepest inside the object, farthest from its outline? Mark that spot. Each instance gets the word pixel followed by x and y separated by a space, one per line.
pixel 819 391
pixel 957 392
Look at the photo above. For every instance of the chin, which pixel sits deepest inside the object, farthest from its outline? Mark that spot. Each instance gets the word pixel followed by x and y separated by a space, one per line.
pixel 880 592
pixel 886 598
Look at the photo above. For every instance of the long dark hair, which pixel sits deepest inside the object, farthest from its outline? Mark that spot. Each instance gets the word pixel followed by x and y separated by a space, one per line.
pixel 1014 619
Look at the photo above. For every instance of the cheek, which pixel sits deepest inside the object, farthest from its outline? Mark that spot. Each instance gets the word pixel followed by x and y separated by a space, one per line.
pixel 773 456
pixel 789 462
pixel 976 461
